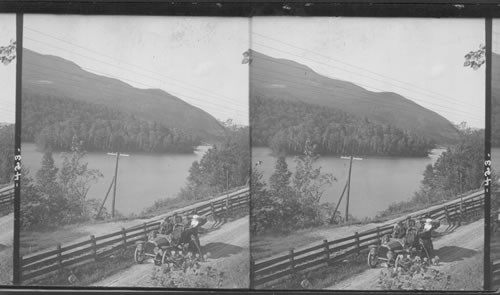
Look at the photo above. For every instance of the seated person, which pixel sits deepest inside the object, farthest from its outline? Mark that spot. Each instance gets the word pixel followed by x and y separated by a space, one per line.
pixel 411 235
pixel 167 226
pixel 399 230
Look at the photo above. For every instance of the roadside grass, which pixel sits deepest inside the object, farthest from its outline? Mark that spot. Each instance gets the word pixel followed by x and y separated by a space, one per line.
pixel 89 273
pixel 270 244
pixel 32 241
pixel 325 276
pixel 6 266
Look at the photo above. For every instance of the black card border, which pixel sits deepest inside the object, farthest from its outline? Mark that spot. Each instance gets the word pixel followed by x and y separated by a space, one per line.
pixel 363 8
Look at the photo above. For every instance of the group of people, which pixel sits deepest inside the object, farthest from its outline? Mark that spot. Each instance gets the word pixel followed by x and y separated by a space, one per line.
pixel 410 232
pixel 166 233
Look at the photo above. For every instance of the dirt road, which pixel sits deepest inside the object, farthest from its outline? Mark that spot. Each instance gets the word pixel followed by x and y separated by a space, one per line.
pixel 451 247
pixel 229 253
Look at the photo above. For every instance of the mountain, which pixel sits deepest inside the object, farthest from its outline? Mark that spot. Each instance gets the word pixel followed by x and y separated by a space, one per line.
pixel 288 80
pixel 52 76
pixel 495 100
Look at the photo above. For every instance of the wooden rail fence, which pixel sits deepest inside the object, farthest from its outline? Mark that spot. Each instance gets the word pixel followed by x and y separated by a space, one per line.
pixel 95 248
pixel 270 271
pixel 6 198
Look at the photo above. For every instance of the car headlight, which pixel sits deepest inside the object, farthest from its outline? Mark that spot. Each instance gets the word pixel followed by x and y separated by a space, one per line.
pixel 156 250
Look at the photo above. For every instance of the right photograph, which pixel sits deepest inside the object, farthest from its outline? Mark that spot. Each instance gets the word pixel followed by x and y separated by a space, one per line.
pixel 367 140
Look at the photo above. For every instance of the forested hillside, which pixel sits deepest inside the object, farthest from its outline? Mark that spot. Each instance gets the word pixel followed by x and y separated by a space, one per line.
pixel 284 126
pixel 6 153
pixel 52 122
pixel 495 101
pixel 52 76
pixel 291 81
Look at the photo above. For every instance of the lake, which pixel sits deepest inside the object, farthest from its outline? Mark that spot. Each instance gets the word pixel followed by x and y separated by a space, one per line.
pixel 142 178
pixel 376 182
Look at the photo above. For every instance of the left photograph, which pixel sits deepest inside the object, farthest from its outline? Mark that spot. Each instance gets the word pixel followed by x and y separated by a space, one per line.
pixel 7 123
pixel 136 158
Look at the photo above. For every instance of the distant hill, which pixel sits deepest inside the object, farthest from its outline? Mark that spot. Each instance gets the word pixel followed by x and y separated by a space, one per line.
pixel 288 80
pixel 51 76
pixel 495 100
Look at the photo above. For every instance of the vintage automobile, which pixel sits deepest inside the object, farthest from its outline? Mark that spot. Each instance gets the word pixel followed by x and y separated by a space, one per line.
pixel 387 251
pixel 390 249
pixel 182 242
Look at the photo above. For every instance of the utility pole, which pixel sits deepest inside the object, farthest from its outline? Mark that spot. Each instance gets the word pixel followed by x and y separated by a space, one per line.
pixel 350 158
pixel 115 179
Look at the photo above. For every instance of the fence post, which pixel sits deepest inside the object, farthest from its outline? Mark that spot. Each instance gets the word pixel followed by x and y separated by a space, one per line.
pixel 94 247
pixel 378 233
pixel 327 251
pixel 145 230
pixel 228 205
pixel 59 256
pixel 461 212
pixel 292 261
pixel 356 236
pixel 124 236
pixel 447 214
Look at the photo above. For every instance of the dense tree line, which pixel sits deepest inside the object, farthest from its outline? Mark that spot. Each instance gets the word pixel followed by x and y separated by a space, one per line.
pixel 6 153
pixel 457 170
pixel 284 126
pixel 58 196
pixel 224 166
pixel 495 122
pixel 291 201
pixel 52 122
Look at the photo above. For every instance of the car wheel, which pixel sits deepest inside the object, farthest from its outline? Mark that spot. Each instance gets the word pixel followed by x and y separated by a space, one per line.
pixel 139 256
pixel 372 259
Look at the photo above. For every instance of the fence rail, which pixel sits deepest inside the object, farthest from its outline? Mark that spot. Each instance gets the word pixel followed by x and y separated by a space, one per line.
pixel 97 247
pixel 269 271
pixel 6 197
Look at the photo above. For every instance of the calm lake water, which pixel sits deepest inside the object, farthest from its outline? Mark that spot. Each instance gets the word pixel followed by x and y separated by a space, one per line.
pixel 142 178
pixel 375 182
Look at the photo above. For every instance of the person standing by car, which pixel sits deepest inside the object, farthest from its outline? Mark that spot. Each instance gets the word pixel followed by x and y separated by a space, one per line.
pixel 426 236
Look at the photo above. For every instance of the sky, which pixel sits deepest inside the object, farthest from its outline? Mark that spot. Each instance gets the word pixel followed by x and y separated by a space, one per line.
pixel 197 59
pixel 421 59
pixel 496 36
pixel 7 72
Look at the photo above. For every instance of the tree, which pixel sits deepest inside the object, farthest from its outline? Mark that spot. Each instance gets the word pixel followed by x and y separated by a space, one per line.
pixel 75 179
pixel 48 172
pixel 8 53
pixel 308 183
pixel 280 179
pixel 475 59
pixel 289 206
pixel 226 165
pixel 6 153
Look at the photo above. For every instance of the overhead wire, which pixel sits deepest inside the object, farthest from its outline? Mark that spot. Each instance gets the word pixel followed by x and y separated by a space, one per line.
pixel 421 90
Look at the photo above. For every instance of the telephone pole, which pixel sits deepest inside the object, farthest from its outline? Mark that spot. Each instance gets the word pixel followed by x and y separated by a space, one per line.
pixel 115 180
pixel 348 185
